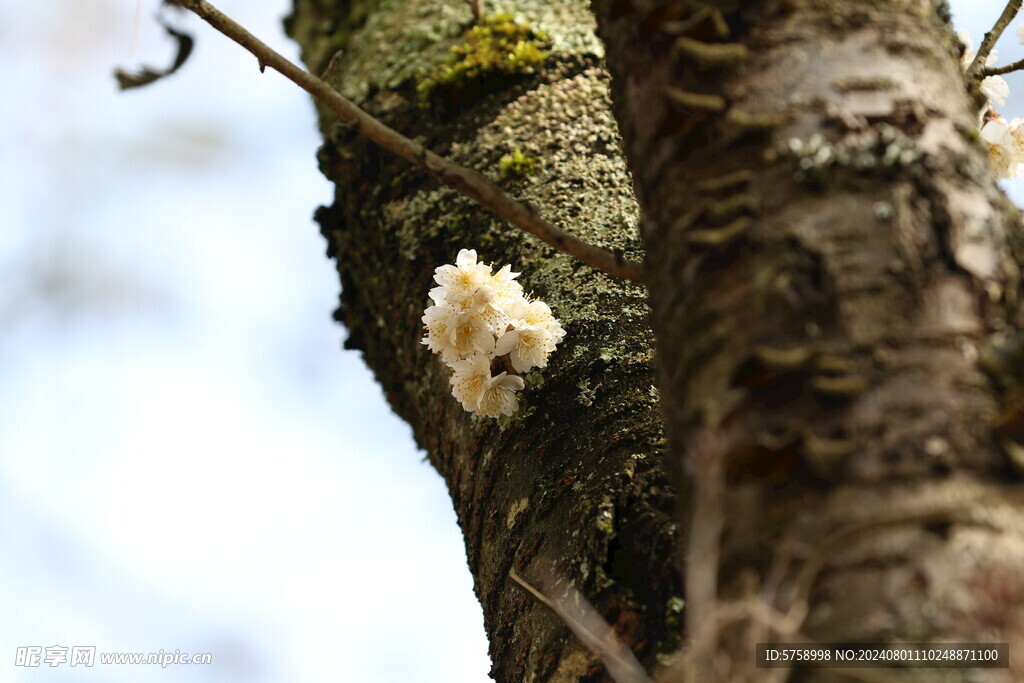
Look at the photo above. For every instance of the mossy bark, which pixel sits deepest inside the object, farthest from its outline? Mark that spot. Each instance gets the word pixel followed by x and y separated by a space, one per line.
pixel 828 258
pixel 574 485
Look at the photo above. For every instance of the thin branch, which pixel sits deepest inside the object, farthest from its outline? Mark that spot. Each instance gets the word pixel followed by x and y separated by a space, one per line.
pixel 463 180
pixel 593 631
pixel 478 11
pixel 708 452
pixel 782 628
pixel 1002 70
pixel 989 42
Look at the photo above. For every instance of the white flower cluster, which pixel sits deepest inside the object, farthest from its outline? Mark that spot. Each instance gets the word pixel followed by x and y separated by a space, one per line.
pixel 1003 139
pixel 1005 143
pixel 479 320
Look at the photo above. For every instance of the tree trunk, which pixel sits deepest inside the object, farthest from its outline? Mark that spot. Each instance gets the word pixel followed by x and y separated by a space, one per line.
pixel 573 486
pixel 836 293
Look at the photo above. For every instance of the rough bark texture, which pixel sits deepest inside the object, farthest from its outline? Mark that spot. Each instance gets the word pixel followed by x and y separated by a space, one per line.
pixel 573 485
pixel 828 259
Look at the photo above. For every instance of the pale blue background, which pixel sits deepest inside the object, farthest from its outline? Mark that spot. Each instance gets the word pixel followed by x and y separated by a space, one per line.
pixel 187 458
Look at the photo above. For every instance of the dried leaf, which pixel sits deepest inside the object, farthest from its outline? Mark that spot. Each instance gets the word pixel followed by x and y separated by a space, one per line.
pixel 127 80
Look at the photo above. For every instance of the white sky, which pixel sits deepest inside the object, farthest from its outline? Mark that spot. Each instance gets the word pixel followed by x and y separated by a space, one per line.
pixel 188 460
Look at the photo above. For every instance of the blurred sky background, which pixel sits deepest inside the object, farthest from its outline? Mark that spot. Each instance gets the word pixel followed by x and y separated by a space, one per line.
pixel 188 460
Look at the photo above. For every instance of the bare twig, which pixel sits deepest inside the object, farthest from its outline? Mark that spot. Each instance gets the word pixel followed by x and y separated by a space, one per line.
pixel 707 453
pixel 782 628
pixel 1002 70
pixel 593 631
pixel 462 180
pixel 985 49
pixel 478 10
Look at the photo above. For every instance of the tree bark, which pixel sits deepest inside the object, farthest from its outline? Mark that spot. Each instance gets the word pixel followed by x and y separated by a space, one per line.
pixel 831 270
pixel 836 291
pixel 572 488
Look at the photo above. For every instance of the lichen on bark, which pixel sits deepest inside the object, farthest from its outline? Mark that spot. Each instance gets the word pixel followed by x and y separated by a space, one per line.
pixel 575 482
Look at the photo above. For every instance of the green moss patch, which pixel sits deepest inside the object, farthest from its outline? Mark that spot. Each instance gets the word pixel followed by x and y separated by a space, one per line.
pixel 493 52
pixel 517 165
